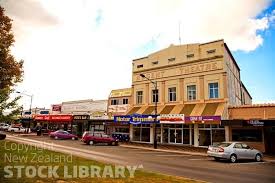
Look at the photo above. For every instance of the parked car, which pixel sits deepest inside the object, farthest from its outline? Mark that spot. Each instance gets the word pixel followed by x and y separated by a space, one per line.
pixel 18 129
pixel 98 137
pixel 60 134
pixel 2 136
pixel 4 127
pixel 234 151
pixel 122 137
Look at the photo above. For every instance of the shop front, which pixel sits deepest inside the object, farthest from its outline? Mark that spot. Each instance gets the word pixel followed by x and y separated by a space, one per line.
pixel 54 122
pixel 80 124
pixel 259 134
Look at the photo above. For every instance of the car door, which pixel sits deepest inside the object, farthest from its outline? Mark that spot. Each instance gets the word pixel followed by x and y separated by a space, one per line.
pixel 249 153
pixel 239 151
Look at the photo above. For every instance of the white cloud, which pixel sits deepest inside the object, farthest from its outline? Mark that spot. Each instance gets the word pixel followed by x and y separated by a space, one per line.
pixel 75 57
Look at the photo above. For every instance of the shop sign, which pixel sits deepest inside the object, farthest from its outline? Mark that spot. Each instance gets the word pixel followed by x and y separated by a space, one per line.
pixel 81 117
pixel 255 123
pixel 202 118
pixel 172 118
pixel 57 118
pixel 56 107
pixel 136 119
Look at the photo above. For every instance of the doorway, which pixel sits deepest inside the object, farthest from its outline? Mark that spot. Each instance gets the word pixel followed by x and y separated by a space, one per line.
pixel 175 135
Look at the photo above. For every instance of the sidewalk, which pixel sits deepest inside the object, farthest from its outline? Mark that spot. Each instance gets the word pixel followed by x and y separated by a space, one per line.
pixel 200 151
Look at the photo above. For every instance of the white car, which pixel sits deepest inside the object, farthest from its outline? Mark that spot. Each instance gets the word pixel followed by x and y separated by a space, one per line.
pixel 17 129
pixel 4 127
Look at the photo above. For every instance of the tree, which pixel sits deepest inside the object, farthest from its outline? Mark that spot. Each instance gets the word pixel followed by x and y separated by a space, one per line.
pixel 11 71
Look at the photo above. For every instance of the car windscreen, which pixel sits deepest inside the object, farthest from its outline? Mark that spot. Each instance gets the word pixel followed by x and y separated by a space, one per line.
pixel 222 144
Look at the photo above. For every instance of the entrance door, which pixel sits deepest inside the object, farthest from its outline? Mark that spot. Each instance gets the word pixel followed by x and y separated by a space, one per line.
pixel 204 137
pixel 175 135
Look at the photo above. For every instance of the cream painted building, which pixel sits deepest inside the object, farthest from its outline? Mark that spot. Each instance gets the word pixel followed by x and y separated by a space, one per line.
pixel 197 80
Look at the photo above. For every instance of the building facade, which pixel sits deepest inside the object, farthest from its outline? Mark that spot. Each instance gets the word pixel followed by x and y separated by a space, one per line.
pixel 118 104
pixel 198 81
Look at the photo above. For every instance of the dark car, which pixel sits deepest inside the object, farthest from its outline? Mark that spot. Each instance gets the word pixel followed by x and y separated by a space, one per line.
pixel 98 137
pixel 122 137
pixel 2 136
pixel 60 134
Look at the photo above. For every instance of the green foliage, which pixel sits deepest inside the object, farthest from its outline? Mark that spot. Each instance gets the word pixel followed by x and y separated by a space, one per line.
pixel 11 71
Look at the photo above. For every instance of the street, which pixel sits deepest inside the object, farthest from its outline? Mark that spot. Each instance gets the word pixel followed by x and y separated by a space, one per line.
pixel 185 165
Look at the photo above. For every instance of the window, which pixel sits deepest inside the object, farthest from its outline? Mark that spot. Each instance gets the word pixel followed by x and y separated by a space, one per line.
pixel 238 145
pixel 125 101
pixel 139 97
pixel 172 94
pixel 171 59
pixel 140 66
pixel 248 135
pixel 155 63
pixel 211 51
pixel 190 55
pixel 114 102
pixel 191 92
pixel 213 90
pixel 155 95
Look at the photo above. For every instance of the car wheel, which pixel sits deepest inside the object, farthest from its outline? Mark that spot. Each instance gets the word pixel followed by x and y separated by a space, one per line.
pixel 216 158
pixel 91 142
pixel 258 157
pixel 56 137
pixel 233 158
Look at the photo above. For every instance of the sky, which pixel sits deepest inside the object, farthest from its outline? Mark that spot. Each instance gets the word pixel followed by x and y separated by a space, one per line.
pixel 82 49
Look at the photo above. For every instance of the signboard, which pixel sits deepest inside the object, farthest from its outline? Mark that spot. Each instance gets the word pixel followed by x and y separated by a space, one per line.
pixel 54 118
pixel 81 117
pixel 172 118
pixel 136 119
pixel 56 107
pixel 255 123
pixel 202 118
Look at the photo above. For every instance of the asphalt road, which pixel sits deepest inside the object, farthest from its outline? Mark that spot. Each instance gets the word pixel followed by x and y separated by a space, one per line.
pixel 190 166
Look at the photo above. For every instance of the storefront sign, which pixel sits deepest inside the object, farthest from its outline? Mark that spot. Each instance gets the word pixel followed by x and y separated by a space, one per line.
pixel 202 118
pixel 136 119
pixel 56 107
pixel 81 117
pixel 54 118
pixel 172 118
pixel 255 123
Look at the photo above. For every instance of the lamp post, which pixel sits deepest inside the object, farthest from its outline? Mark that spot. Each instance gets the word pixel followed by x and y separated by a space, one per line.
pixel 31 96
pixel 156 105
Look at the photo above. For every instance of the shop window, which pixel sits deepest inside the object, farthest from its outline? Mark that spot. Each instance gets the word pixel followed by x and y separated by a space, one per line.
pixel 191 92
pixel 125 101
pixel 248 135
pixel 141 134
pixel 139 97
pixel 172 94
pixel 213 90
pixel 218 136
pixel 155 96
pixel 114 102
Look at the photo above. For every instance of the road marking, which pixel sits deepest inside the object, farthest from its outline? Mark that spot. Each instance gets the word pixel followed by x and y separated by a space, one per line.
pixel 249 163
pixel 198 159
pixel 173 155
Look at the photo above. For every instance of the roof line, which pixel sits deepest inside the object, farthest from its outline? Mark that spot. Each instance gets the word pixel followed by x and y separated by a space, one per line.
pixel 231 56
pixel 246 90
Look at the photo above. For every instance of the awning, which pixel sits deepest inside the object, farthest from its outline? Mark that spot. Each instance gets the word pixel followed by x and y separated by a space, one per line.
pixel 133 110
pixel 167 109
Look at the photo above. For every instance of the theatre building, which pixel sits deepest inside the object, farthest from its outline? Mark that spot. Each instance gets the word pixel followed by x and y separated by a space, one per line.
pixel 195 85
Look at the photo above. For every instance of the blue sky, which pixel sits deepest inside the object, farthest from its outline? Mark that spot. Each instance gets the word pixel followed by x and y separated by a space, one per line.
pixel 258 66
pixel 87 53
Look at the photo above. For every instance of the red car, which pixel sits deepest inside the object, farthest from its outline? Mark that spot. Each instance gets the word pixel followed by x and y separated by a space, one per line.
pixel 98 137
pixel 60 134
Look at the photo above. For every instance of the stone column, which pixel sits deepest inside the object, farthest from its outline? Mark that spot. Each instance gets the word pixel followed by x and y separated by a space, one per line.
pixel 201 96
pixel 131 132
pixel 196 135
pixel 151 134
pixel 225 93
pixel 163 93
pixel 146 94
pixel 180 90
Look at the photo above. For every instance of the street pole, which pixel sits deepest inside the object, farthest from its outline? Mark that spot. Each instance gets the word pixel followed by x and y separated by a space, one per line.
pixel 155 141
pixel 30 114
